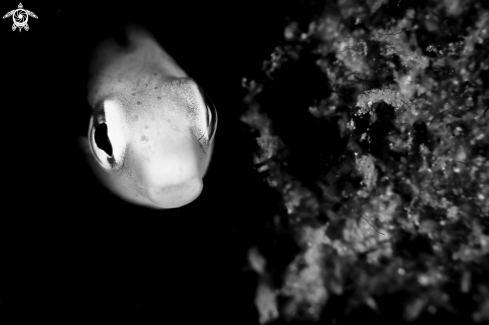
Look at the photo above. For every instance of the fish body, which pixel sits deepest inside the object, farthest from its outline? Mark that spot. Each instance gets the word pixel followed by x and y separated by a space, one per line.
pixel 151 134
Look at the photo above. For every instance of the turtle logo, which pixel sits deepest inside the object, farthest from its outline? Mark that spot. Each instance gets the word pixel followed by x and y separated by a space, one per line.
pixel 20 17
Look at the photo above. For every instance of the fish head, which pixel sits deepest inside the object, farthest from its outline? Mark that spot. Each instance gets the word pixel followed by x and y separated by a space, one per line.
pixel 150 141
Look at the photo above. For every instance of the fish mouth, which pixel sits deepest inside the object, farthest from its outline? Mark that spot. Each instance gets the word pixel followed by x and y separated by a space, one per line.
pixel 174 196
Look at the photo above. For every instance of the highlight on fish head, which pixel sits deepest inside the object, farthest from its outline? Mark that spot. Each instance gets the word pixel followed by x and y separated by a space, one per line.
pixel 153 147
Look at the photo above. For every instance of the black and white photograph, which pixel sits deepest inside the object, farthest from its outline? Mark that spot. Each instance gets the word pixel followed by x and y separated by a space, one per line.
pixel 249 162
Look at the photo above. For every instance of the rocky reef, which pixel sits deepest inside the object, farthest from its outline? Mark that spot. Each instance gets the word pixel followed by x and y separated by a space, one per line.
pixel 371 123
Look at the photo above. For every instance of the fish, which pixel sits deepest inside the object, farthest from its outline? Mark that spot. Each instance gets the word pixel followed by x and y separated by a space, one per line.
pixel 152 128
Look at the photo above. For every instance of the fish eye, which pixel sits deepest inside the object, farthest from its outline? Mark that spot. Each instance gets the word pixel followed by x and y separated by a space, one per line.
pixel 102 140
pixel 100 143
pixel 211 116
pixel 105 136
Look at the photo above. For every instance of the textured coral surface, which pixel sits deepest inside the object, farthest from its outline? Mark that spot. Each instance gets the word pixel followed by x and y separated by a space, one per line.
pixel 371 122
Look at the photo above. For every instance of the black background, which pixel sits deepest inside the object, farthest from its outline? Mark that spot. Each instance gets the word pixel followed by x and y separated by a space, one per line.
pixel 69 250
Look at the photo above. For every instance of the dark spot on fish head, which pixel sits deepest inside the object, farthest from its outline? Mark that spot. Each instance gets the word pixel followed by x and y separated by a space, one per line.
pixel 133 94
pixel 156 87
pixel 139 102
pixel 146 127
pixel 159 97
pixel 146 84
pixel 144 138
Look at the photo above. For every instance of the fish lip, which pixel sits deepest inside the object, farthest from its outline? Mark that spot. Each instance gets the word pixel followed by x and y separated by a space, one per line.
pixel 182 196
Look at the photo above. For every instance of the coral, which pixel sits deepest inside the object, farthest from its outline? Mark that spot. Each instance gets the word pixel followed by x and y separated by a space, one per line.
pixel 371 125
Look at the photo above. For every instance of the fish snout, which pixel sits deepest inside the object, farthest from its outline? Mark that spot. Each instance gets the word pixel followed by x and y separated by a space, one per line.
pixel 170 173
pixel 174 196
